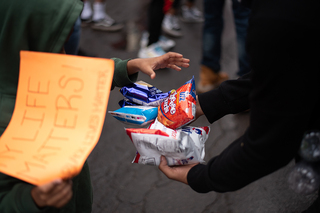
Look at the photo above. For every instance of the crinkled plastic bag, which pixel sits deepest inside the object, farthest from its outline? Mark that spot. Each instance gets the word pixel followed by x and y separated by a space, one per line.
pixel 180 147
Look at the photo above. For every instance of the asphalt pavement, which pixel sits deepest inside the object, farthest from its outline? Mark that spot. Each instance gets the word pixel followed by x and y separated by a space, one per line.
pixel 123 187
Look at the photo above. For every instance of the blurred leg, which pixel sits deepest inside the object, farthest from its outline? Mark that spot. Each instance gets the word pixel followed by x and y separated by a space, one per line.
pixel 212 30
pixel 72 45
pixel 241 17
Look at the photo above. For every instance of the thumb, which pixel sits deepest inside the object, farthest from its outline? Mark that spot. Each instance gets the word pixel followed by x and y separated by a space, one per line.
pixel 151 73
pixel 49 186
pixel 148 71
pixel 163 166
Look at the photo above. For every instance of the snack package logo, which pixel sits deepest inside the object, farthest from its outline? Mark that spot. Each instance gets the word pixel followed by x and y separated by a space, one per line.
pixel 193 88
pixel 196 130
pixel 183 96
pixel 179 108
pixel 184 161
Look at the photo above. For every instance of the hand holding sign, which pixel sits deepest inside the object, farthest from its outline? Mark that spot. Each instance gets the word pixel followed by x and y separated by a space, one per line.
pixel 58 117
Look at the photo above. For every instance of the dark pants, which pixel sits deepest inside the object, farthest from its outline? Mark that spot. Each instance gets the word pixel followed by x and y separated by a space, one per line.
pixel 155 17
pixel 212 31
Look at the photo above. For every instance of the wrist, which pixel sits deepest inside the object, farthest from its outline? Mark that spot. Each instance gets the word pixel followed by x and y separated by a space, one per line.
pixel 199 111
pixel 132 66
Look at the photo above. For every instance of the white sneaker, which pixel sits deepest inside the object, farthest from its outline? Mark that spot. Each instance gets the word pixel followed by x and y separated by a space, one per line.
pixel 164 42
pixel 102 21
pixel 144 39
pixel 86 13
pixel 171 26
pixel 154 50
pixel 191 15
pixel 106 24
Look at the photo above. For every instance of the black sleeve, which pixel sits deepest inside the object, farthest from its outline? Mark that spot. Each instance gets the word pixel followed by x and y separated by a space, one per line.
pixel 246 3
pixel 284 103
pixel 231 97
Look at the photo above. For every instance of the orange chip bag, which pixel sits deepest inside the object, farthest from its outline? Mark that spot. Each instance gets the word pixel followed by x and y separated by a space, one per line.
pixel 179 108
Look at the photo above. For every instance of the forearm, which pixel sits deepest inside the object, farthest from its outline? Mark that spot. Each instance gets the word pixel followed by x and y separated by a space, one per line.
pixel 231 97
pixel 269 144
pixel 121 76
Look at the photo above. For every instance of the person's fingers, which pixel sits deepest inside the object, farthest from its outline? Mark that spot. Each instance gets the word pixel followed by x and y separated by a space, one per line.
pixel 180 63
pixel 178 173
pixel 153 75
pixel 172 55
pixel 63 194
pixel 64 200
pixel 149 71
pixel 163 166
pixel 59 187
pixel 174 67
pixel 48 187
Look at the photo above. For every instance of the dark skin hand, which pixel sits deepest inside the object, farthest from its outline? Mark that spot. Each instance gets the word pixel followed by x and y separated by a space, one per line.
pixel 170 60
pixel 55 194
pixel 178 173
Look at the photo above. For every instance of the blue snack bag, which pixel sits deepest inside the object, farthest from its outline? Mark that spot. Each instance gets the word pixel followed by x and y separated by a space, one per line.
pixel 126 102
pixel 144 94
pixel 137 115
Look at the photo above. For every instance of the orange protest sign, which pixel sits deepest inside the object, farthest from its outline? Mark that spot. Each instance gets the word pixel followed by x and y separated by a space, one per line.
pixel 58 117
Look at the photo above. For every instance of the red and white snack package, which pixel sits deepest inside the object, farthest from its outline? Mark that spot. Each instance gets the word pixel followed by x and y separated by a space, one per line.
pixel 180 147
pixel 179 108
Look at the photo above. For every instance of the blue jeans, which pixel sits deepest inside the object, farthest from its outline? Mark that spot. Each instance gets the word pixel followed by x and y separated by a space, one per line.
pixel 72 45
pixel 212 31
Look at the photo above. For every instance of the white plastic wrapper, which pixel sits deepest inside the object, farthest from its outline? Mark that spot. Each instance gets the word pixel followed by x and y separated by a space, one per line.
pixel 180 147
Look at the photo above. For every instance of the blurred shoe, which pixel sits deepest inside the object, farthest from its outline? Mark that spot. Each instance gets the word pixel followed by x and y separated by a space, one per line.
pixel 107 24
pixel 165 43
pixel 102 21
pixel 191 15
pixel 170 25
pixel 144 39
pixel 209 79
pixel 86 14
pixel 153 50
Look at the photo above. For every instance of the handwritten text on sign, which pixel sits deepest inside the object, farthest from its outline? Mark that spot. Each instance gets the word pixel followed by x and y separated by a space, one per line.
pixel 58 117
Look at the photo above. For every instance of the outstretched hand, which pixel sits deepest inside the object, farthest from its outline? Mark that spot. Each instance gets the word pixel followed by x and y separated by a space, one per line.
pixel 149 65
pixel 178 173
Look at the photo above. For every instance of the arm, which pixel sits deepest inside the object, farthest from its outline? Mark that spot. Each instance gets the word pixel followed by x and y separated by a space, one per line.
pixel 230 97
pixel 271 141
pixel 126 71
pixel 280 112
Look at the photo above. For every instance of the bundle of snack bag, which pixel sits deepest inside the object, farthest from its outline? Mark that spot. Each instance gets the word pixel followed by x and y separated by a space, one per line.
pixel 180 147
pixel 139 105
pixel 168 135
pixel 179 108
